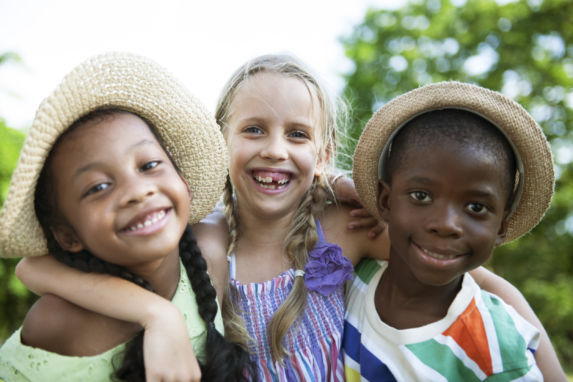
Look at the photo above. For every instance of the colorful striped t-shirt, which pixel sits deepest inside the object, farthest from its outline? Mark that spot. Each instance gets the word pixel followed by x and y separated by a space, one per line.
pixel 480 338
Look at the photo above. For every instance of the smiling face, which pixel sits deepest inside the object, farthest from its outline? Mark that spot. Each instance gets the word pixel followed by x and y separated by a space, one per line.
pixel 446 206
pixel 118 192
pixel 273 132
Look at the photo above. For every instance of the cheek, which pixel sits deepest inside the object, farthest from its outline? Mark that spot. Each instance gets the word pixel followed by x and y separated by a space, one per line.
pixel 308 159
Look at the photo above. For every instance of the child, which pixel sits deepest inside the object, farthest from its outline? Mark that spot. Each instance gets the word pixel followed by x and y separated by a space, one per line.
pixel 96 187
pixel 286 240
pixel 454 170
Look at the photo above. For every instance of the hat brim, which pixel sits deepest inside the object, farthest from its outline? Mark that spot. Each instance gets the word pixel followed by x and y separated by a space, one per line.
pixel 524 134
pixel 128 82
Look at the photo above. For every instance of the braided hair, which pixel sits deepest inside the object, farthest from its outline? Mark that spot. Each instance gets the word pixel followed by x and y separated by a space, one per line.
pixel 218 351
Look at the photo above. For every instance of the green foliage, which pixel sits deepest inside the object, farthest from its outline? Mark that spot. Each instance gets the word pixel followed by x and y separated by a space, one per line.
pixel 14 298
pixel 525 50
pixel 10 142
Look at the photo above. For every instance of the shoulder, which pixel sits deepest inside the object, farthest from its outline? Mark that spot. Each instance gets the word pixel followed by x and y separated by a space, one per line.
pixel 56 325
pixel 212 236
pixel 355 244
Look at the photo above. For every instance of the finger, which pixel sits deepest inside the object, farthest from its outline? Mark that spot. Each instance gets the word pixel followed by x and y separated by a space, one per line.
pixel 376 230
pixel 360 213
pixel 362 223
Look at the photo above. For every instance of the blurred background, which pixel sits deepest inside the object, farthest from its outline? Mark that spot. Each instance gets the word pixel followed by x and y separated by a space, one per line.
pixel 367 51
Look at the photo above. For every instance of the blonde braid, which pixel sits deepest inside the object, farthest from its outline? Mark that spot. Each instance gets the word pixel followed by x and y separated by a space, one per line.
pixel 235 330
pixel 300 239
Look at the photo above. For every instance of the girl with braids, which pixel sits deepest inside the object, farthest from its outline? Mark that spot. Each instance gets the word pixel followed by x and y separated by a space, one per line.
pixel 96 188
pixel 289 249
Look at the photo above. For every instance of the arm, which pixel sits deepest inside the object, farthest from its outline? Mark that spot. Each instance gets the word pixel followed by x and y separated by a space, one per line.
pixel 354 243
pixel 167 349
pixel 545 355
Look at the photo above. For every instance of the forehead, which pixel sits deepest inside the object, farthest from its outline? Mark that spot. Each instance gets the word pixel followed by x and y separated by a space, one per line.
pixel 101 139
pixel 269 91
pixel 107 128
pixel 456 165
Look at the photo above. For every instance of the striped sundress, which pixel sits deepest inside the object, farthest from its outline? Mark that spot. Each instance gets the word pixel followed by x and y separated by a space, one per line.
pixel 314 340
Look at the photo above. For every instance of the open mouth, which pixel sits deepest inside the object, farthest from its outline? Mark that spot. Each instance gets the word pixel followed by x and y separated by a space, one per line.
pixel 147 221
pixel 436 255
pixel 271 180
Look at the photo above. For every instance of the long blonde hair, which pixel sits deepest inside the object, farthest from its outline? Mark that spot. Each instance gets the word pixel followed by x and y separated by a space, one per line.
pixel 302 235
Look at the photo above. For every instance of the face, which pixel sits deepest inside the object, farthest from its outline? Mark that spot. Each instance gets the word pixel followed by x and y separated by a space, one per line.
pixel 273 135
pixel 446 209
pixel 119 192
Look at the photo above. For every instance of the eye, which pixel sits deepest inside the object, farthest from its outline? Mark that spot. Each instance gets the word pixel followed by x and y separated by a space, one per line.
pixel 97 188
pixel 477 208
pixel 421 196
pixel 150 165
pixel 253 130
pixel 299 134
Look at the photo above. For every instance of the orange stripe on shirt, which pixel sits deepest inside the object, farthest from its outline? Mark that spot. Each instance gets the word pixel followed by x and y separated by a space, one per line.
pixel 469 333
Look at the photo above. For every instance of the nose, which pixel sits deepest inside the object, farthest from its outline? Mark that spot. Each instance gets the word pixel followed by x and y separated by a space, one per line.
pixel 445 221
pixel 135 189
pixel 274 148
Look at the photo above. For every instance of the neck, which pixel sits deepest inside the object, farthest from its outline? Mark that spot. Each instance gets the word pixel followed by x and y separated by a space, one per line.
pixel 162 275
pixel 263 232
pixel 259 249
pixel 402 301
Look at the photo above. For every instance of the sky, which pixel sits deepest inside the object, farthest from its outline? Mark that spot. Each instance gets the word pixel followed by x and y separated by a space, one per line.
pixel 200 42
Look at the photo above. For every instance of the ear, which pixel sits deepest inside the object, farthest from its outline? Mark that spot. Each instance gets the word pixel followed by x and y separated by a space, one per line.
pixel 67 238
pixel 502 229
pixel 383 200
pixel 188 188
pixel 321 163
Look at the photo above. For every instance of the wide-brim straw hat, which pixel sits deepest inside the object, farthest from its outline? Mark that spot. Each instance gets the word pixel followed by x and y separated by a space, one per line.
pixel 534 161
pixel 129 82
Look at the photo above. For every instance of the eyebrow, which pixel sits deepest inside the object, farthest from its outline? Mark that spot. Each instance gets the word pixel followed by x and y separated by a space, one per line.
pixel 89 166
pixel 484 192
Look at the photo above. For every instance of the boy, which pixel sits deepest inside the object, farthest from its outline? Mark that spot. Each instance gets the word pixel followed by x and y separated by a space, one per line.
pixel 455 170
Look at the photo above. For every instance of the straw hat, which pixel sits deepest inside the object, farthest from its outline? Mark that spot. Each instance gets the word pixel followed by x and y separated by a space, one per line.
pixel 533 155
pixel 132 83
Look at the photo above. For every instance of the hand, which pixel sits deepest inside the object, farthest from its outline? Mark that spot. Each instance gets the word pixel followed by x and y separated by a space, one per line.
pixel 364 220
pixel 345 192
pixel 167 351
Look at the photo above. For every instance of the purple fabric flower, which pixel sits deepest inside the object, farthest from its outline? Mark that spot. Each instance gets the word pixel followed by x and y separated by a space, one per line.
pixel 326 269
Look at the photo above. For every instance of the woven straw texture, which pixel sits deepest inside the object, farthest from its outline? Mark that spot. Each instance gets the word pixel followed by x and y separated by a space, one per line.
pixel 129 82
pixel 520 128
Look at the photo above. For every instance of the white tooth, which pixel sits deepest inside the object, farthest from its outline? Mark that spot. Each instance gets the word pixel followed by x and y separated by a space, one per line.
pixel 438 255
pixel 267 179
pixel 139 225
pixel 147 223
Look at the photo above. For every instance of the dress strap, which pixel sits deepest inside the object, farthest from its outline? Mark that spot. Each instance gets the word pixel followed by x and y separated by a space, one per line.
pixel 320 233
pixel 232 266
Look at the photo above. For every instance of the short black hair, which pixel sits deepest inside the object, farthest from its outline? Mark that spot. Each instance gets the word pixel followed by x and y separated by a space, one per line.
pixel 461 126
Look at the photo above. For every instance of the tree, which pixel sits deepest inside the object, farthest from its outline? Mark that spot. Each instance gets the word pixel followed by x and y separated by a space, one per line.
pixel 521 48
pixel 15 298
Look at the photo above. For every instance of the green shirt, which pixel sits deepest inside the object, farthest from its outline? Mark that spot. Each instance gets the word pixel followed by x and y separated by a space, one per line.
pixel 19 362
